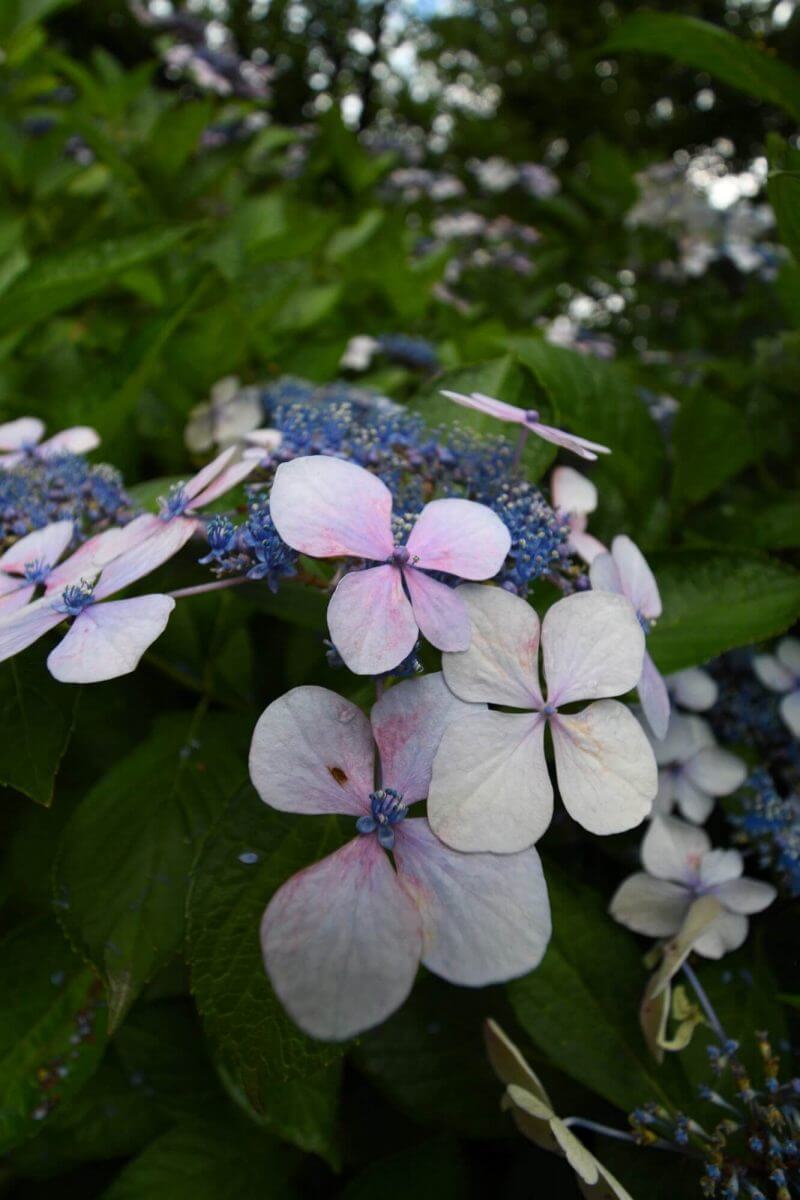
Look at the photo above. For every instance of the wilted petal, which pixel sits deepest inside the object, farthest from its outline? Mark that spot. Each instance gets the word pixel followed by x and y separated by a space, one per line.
pixel 43 545
pixel 728 932
pixel 501 664
pixel 773 673
pixel 654 697
pixel 509 1064
pixel 592 646
pixel 693 688
pixel 685 736
pixel 746 895
pixel 716 771
pixel 718 866
pixel 408 722
pixel 790 711
pixel 312 752
pixel 25 431
pixel 194 486
pixel 654 907
pixel 108 640
pixel 569 441
pixel 606 771
pixel 572 492
pixel 438 610
pixel 21 629
pixel 488 405
pixel 460 538
pixel 370 620
pixel 224 482
pixel 145 556
pixel 671 849
pixel 78 440
pixel 328 508
pixel 341 942
pixel 695 805
pixel 638 580
pixel 485 917
pixel 787 652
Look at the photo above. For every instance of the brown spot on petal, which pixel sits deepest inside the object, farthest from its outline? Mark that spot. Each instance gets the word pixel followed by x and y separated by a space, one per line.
pixel 339 775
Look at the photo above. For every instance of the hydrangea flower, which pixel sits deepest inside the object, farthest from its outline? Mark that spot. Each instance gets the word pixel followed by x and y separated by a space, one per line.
pixel 529 420
pixel 576 496
pixel 625 571
pixel 330 509
pixel 491 788
pixel 693 688
pixel 231 412
pixel 680 866
pixel 106 639
pixel 693 769
pixel 343 939
pixel 24 436
pixel 780 672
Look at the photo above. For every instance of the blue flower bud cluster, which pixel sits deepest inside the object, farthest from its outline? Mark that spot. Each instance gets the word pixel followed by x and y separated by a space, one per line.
pixel 39 490
pixel 252 549
pixel 770 824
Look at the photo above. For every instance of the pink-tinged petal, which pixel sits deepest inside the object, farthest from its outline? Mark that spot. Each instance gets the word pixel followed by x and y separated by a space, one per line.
pixel 146 556
pixel 438 610
pixel 720 866
pixel 9 461
pixel 716 771
pixel 772 673
pixel 654 907
pixel 684 737
pixel 671 849
pixel 746 896
pixel 21 629
pixel 329 508
pixel 586 547
pixel 488 405
pixel 225 482
pixel 370 620
pixel 572 492
pixel 638 581
pixel 341 942
pixel 485 917
pixel 789 708
pixel 501 664
pixel 108 640
pixel 460 538
pixel 728 932
pixel 490 788
pixel 408 722
pixel 568 441
pixel 592 647
pixel 693 688
pixel 606 770
pixel 265 439
pixel 194 486
pixel 787 653
pixel 16 597
pixel 604 574
pixel 78 440
pixel 654 697
pixel 25 431
pixel 695 805
pixel 43 545
pixel 312 752
pixel 100 550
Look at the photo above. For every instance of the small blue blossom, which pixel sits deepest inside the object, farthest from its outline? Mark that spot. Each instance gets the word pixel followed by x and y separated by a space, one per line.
pixel 76 597
pixel 387 810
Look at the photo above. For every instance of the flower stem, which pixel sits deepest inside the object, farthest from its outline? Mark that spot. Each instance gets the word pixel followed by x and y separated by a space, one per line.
pixel 582 1123
pixel 520 446
pixel 215 586
pixel 705 1003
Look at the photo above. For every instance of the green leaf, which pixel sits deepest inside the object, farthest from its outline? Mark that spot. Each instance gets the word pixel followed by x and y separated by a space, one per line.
pixel 715 601
pixel 748 522
pixel 252 851
pixel 123 870
pixel 710 48
pixel 711 442
pixel 580 1006
pixel 52 1028
pixel 37 716
pixel 438 1170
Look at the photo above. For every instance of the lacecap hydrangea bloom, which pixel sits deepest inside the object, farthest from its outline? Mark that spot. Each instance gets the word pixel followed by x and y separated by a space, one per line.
pixel 692 688
pixel 692 769
pixel 23 438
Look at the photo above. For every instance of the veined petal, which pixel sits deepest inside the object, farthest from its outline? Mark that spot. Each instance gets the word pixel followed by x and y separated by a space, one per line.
pixel 716 771
pixel 727 932
pixel 408 722
pixel 638 581
pixel 671 849
pixel 606 770
pixel 312 752
pixel 145 556
pixel 787 653
pixel 25 431
pixel 654 907
pixel 438 610
pixel 654 697
pixel 719 866
pixel 460 538
pixel 341 942
pixel 194 486
pixel 693 688
pixel 43 545
pixel 328 508
pixel 78 440
pixel 21 629
pixel 224 482
pixel 490 788
pixel 789 708
pixel 569 441
pixel 774 674
pixel 370 619
pixel 572 492
pixel 592 647
pixel 501 664
pixel 746 895
pixel 100 550
pixel 108 640
pixel 485 917
pixel 16 596
pixel 488 405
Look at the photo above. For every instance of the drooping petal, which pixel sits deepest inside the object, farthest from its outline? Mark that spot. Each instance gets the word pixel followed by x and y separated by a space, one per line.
pixel 438 610
pixel 728 932
pixel 572 492
pixel 370 620
pixel 145 556
pixel 108 640
pixel 341 942
pixel 592 647
pixel 606 771
pixel 719 866
pixel 638 580
pixel 43 545
pixel 408 722
pixel 485 917
pixel 772 673
pixel 25 431
pixel 312 752
pixel 194 486
pixel 585 546
pixel 78 440
pixel 789 708
pixel 684 737
pixel 716 771
pixel 693 688
pixel 490 788
pixel 671 849
pixel 695 805
pixel 787 653
pixel 100 550
pixel 569 441
pixel 501 664
pixel 654 907
pixel 460 538
pixel 15 596
pixel 508 1063
pixel 224 482
pixel 21 629
pixel 488 405
pixel 654 697
pixel 604 574
pixel 328 508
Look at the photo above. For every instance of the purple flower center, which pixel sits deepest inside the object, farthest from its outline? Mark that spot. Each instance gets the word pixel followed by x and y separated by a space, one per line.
pixel 549 710
pixel 400 556
pixel 37 571
pixel 531 416
pixel 76 597
pixel 386 810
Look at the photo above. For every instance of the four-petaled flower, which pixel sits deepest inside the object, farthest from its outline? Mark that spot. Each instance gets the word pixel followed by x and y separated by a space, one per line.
pixel 576 496
pixel 679 866
pixel 491 789
pixel 24 436
pixel 625 571
pixel 780 672
pixel 342 939
pixel 328 508
pixel 693 769
pixel 528 418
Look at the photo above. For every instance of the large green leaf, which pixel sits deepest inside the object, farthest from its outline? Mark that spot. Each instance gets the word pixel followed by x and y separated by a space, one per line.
pixel 122 873
pixel 52 1028
pixel 37 716
pixel 715 601
pixel 438 1170
pixel 710 48
pixel 711 443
